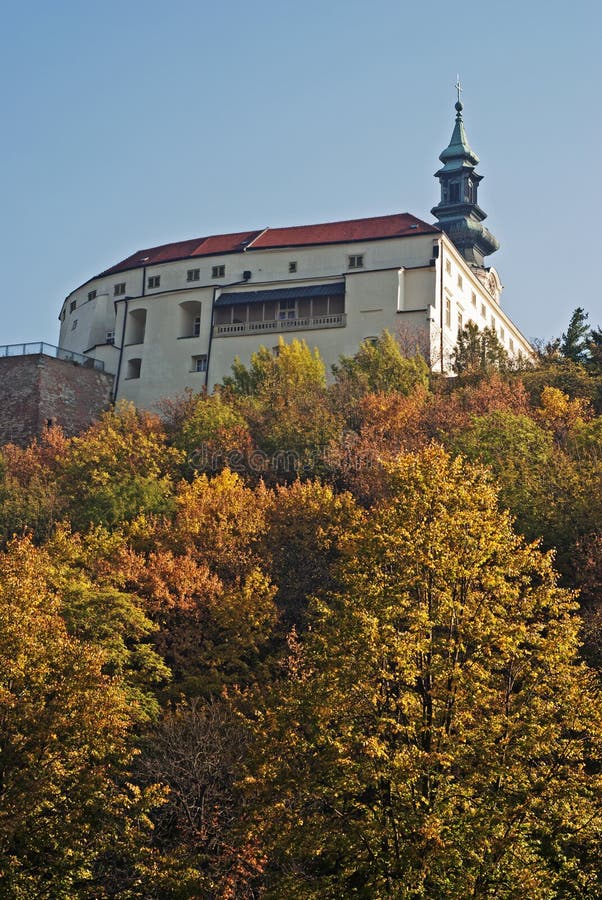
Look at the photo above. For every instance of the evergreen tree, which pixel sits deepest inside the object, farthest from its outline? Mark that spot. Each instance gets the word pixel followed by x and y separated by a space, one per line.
pixel 573 344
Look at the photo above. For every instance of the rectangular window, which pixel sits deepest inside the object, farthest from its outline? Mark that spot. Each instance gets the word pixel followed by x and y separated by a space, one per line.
pixel 91 295
pixel 460 324
pixel 193 275
pixel 460 281
pixel 448 266
pixel 72 305
pixel 196 326
pixel 218 271
pixel 153 281
pixel 492 323
pixel 483 311
pixel 287 309
pixel 448 312
pixel 199 363
pixel 474 299
pixel 357 261
pixel 74 325
pixel 292 266
pixel 502 334
pixel 511 344
pixel 119 289
pixel 110 339
pixel 454 192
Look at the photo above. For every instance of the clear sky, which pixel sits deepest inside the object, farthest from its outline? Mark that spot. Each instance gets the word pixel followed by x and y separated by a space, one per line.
pixel 130 124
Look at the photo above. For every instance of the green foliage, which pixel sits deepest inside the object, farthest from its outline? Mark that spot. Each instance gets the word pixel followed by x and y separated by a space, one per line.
pixel 285 403
pixel 380 366
pixel 432 737
pixel 292 369
pixel 212 430
pixel 86 574
pixel 119 468
pixel 479 352
pixel 574 341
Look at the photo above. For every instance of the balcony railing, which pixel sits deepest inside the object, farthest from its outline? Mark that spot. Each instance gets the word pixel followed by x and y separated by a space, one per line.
pixel 305 324
pixel 42 349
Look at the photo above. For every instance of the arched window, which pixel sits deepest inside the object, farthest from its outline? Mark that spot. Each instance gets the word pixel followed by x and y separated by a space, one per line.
pixel 189 324
pixel 136 326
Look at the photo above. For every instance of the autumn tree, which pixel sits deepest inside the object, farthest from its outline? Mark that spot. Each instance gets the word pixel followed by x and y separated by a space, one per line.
pixel 435 734
pixel 306 527
pixel 379 366
pixel 283 397
pixel 119 468
pixel 64 746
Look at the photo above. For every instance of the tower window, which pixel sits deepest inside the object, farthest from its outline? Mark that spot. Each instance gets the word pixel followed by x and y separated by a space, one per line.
pixel 193 275
pixel 454 192
pixel 356 262
pixel 72 305
pixel 74 325
pixel 218 271
pixel 153 281
pixel 91 295
pixel 119 289
pixel 292 266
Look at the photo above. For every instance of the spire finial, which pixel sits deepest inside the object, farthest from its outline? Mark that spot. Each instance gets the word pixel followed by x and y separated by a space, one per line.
pixel 459 89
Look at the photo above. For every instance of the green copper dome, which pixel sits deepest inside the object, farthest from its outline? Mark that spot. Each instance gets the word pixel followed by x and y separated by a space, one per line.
pixel 458 212
pixel 458 151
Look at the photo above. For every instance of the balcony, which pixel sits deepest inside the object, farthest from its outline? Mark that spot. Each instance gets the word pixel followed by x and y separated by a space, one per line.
pixel 43 349
pixel 276 326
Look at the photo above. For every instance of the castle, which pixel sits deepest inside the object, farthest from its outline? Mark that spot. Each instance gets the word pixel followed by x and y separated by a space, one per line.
pixel 176 316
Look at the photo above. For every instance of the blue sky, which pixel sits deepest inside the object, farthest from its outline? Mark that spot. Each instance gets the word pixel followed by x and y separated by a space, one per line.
pixel 132 124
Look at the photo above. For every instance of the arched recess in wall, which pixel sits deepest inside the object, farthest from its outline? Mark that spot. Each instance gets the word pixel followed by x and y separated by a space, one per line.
pixel 133 368
pixel 136 326
pixel 189 324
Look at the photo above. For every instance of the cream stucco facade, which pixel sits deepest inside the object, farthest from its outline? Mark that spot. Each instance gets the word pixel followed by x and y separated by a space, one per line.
pixel 163 326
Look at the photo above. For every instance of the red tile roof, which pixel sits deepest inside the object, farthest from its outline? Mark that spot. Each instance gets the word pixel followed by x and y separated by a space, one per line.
pixel 205 246
pixel 373 229
pixel 376 228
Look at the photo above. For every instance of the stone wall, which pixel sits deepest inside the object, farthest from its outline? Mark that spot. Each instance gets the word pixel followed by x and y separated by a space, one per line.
pixel 38 390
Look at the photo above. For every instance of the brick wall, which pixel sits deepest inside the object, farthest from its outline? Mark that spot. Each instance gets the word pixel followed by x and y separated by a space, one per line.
pixel 37 389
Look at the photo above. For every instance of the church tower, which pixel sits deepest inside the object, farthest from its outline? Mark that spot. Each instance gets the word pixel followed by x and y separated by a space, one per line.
pixel 458 213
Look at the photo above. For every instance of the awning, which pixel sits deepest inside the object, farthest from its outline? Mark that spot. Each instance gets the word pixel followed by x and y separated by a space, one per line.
pixel 293 293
